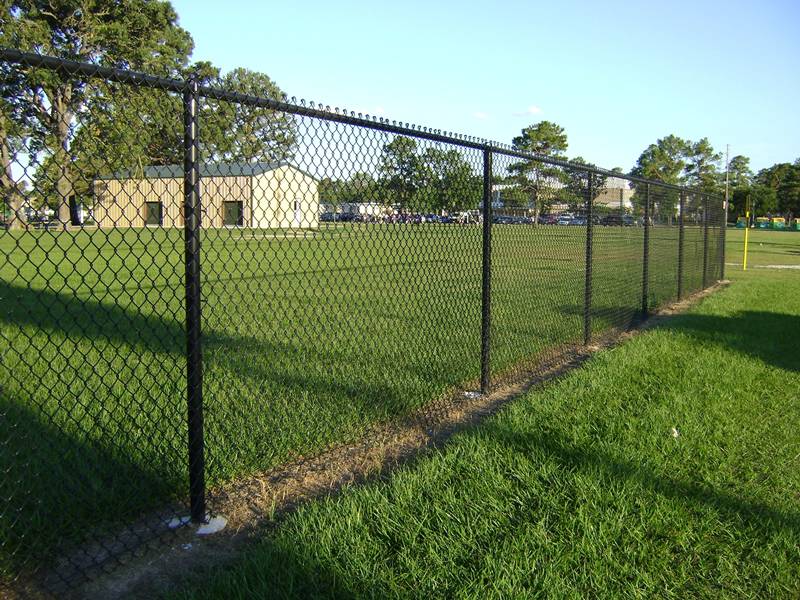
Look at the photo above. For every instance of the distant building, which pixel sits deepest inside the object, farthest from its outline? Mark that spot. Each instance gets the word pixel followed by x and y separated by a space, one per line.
pixel 259 195
pixel 616 195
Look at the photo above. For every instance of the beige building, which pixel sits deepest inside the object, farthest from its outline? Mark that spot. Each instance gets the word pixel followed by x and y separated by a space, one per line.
pixel 260 195
pixel 617 194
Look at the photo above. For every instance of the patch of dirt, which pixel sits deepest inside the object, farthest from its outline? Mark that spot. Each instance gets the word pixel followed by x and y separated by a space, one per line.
pixel 159 559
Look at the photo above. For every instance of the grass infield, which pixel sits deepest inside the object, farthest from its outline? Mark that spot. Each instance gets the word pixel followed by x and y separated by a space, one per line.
pixel 307 341
pixel 667 466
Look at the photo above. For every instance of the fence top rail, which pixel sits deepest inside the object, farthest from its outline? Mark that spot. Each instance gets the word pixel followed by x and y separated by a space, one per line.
pixel 136 78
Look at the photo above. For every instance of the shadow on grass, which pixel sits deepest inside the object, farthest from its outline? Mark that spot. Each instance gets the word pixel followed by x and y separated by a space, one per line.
pixel 575 457
pixel 84 446
pixel 56 484
pixel 283 570
pixel 768 336
pixel 607 316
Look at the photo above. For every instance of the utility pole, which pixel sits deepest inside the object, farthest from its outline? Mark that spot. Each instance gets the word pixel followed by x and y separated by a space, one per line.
pixel 727 176
pixel 725 209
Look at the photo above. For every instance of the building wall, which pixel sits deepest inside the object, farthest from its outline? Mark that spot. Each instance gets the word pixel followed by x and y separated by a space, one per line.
pixel 216 190
pixel 121 202
pixel 610 197
pixel 275 193
pixel 267 200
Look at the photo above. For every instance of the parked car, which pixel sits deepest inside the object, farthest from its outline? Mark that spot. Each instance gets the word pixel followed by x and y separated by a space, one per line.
pixel 327 217
pixel 502 220
pixel 617 221
pixel 548 219
pixel 579 221
pixel 564 220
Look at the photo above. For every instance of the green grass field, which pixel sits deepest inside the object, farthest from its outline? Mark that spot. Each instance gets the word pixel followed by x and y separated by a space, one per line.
pixel 307 341
pixel 666 467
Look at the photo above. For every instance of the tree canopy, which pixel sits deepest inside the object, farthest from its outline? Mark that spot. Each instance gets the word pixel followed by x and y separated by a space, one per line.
pixel 540 181
pixel 434 179
pixel 72 129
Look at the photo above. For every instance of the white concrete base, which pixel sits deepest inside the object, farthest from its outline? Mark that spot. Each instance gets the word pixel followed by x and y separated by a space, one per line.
pixel 176 522
pixel 214 525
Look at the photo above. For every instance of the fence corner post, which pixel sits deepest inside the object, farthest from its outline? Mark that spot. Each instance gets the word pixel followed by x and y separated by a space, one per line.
pixel 587 291
pixel 705 241
pixel 682 210
pixel 723 233
pixel 646 254
pixel 194 358
pixel 486 268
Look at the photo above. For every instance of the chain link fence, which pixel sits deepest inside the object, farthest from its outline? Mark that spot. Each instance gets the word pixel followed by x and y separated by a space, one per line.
pixel 201 285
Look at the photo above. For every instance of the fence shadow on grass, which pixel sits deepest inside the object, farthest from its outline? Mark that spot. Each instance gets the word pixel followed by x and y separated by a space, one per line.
pixel 575 457
pixel 55 486
pixel 768 336
pixel 85 448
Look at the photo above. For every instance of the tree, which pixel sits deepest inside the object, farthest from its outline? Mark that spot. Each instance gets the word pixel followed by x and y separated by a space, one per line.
pixel 446 182
pixel 702 170
pixel 663 161
pixel 676 161
pixel 242 132
pixel 540 181
pixel 739 173
pixel 578 184
pixel 360 187
pixel 789 191
pixel 763 200
pixel 399 170
pixel 740 179
pixel 140 34
pixel 779 189
pixel 13 116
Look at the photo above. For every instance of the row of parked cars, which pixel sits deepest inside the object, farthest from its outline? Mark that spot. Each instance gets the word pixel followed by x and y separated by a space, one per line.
pixel 414 218
pixel 469 217
pixel 567 219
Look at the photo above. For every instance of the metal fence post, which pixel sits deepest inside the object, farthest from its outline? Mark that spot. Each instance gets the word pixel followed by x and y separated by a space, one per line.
pixel 723 232
pixel 705 241
pixel 646 254
pixel 486 283
pixel 194 359
pixel 587 292
pixel 682 209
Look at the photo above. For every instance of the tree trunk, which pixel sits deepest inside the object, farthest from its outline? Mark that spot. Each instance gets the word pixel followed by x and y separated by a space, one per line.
pixel 536 208
pixel 62 116
pixel 8 187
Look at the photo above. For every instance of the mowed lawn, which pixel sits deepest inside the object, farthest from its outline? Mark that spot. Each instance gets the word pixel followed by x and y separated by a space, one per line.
pixel 668 466
pixel 308 339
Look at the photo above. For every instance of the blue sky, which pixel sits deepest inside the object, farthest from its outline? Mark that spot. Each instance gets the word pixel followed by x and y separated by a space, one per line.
pixel 615 75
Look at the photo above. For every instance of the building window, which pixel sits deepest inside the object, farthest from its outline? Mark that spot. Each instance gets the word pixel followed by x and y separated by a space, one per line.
pixel 154 213
pixel 232 214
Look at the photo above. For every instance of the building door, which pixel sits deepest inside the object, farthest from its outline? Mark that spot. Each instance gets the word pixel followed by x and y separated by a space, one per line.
pixel 298 213
pixel 153 213
pixel 232 213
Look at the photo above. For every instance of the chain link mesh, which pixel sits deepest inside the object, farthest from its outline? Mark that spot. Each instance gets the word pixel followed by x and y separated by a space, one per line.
pixel 342 268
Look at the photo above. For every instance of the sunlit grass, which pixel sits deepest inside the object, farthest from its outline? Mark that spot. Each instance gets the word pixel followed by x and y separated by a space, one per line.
pixel 666 467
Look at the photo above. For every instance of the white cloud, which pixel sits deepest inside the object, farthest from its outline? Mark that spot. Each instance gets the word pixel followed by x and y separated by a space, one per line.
pixel 531 110
pixel 479 114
